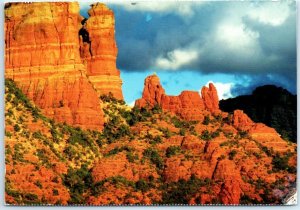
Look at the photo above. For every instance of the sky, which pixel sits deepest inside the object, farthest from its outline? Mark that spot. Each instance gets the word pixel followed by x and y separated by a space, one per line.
pixel 236 45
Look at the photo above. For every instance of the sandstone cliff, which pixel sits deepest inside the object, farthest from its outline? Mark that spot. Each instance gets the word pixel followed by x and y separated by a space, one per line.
pixel 98 50
pixel 189 104
pixel 43 55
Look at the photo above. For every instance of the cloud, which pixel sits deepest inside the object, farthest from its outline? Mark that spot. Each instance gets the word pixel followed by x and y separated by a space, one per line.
pixel 224 89
pixel 246 84
pixel 274 14
pixel 183 8
pixel 246 38
pixel 176 59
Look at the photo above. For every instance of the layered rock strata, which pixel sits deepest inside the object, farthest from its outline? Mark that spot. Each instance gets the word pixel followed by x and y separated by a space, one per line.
pixel 62 61
pixel 98 50
pixel 42 57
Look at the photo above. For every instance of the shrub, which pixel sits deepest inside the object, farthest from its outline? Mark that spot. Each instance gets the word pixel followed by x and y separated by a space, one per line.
pixel 280 162
pixel 38 184
pixel 205 135
pixel 38 135
pixel 215 134
pixel 31 197
pixel 17 128
pixel 232 154
pixel 156 139
pixel 142 185
pixel 243 134
pixel 206 120
pixel 172 150
pixel 182 191
pixel 55 192
pixel 8 134
pixel 116 150
pixel 182 132
pixel 131 157
pixel 78 181
pixel 154 157
pixel 156 109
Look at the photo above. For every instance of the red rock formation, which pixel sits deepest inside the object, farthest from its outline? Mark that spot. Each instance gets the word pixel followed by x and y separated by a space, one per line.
pixel 152 93
pixel 188 105
pixel 98 50
pixel 229 174
pixel 210 98
pixel 42 57
pixel 241 120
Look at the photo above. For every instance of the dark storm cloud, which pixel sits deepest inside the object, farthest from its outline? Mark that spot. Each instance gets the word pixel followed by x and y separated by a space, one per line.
pixel 240 38
pixel 249 83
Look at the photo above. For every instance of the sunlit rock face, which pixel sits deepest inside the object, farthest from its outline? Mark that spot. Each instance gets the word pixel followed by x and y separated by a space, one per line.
pixel 189 105
pixel 98 50
pixel 62 61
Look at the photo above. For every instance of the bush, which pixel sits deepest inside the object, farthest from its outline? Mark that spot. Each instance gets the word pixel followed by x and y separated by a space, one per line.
pixel 114 131
pixel 205 135
pixel 17 128
pixel 78 182
pixel 243 134
pixel 55 192
pixel 182 191
pixel 154 157
pixel 206 120
pixel 116 150
pixel 280 162
pixel 38 184
pixel 172 150
pixel 131 157
pixel 142 185
pixel 182 132
pixel 232 154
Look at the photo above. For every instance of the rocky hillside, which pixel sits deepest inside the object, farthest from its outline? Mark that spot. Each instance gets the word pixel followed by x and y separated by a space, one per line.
pixel 143 156
pixel 274 106
pixel 71 139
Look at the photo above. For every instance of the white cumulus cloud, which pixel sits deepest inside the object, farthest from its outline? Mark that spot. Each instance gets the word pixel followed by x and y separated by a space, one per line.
pixel 224 89
pixel 272 14
pixel 176 59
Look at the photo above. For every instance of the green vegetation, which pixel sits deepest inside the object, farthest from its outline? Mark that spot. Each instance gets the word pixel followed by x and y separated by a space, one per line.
pixel 20 98
pixel 206 120
pixel 78 182
pixel 280 162
pixel 111 99
pixel 205 135
pixel 154 157
pixel 21 198
pixel 182 191
pixel 173 150
pixel 232 154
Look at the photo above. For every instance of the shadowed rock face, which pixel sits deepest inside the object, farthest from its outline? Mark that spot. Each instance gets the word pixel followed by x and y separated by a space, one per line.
pixel 189 105
pixel 271 105
pixel 54 68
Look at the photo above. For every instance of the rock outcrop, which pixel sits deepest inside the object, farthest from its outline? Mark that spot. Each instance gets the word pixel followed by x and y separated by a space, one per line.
pixel 45 57
pixel 241 121
pixel 210 98
pixel 98 50
pixel 188 105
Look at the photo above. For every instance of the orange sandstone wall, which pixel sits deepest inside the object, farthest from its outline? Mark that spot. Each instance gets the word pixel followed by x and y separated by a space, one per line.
pixel 42 57
pixel 98 50
pixel 188 105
